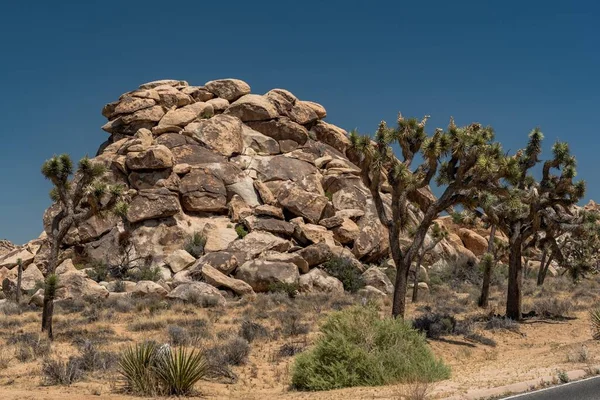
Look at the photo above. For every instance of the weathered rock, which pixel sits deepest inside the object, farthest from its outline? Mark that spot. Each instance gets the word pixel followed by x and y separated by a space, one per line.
pixel 219 105
pixel 155 157
pixel 282 100
pixel 252 107
pixel 222 133
pixel 266 210
pixel 257 242
pixel 370 292
pixel 320 281
pixel 163 82
pixel 66 267
pixel 179 260
pixel 372 243
pixel 199 93
pixel 10 259
pixel 346 233
pixel 126 286
pixel 302 203
pixel 281 129
pixel 219 234
pixel 153 179
pixel 228 89
pixel 38 298
pixel 202 191
pixel 223 261
pixel 332 222
pixel 293 258
pixel 153 204
pixel 310 233
pixel 74 285
pixel 261 274
pixel 151 114
pixel 149 289
pixel 302 113
pixel 238 209
pixel 316 254
pixel 257 143
pixel 132 104
pixel 198 293
pixel 265 193
pixel 216 278
pixel 31 277
pixel 317 108
pixel 376 278
pixel 332 135
pixel 273 225
pixel 184 115
pixel 473 241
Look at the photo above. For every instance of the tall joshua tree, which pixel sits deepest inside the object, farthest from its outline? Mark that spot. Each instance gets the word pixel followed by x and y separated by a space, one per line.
pixel 79 197
pixel 463 159
pixel 525 208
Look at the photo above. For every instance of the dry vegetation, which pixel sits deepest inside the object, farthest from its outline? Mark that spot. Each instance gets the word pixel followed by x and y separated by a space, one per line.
pixel 250 346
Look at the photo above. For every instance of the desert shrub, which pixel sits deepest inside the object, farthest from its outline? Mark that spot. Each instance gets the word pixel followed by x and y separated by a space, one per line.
pixel 290 349
pixel 195 245
pixel 98 271
pixel 10 308
pixel 120 305
pixel 6 356
pixel 343 269
pixel 252 330
pixel 579 355
pixel 291 323
pixel 233 352
pixel 178 336
pixel 70 306
pixel 290 289
pixel 119 287
pixel 358 348
pixel 552 307
pixel 58 372
pixel 435 325
pixel 146 326
pixel 501 323
pixel 145 273
pixel 30 346
pixel 241 231
pixel 91 359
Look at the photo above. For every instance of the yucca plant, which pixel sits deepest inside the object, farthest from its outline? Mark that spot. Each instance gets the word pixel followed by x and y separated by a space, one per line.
pixel 179 369
pixel 137 367
pixel 595 319
pixel 150 369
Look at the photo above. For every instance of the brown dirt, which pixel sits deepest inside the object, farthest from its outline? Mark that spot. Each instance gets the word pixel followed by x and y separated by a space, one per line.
pixel 540 349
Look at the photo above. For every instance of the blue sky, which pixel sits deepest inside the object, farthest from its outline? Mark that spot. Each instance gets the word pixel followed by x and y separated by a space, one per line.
pixel 513 65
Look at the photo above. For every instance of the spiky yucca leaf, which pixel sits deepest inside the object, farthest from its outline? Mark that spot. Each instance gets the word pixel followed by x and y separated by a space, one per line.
pixel 180 369
pixel 136 366
pixel 595 319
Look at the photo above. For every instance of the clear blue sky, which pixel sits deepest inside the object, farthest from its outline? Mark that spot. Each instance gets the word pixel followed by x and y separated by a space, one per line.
pixel 513 65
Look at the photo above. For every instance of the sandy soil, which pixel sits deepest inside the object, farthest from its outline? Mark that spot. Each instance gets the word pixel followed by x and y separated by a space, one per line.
pixel 540 349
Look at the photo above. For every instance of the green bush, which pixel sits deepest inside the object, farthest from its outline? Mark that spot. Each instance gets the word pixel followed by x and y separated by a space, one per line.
pixel 98 271
pixel 241 231
pixel 358 348
pixel 344 270
pixel 290 289
pixel 195 245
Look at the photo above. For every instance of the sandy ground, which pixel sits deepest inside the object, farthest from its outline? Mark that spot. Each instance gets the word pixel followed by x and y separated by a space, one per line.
pixel 540 349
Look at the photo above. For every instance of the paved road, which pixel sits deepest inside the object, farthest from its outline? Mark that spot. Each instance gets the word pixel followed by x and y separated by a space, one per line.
pixel 587 389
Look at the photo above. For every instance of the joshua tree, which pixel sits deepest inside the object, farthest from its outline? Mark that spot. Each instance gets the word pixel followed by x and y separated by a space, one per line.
pixel 525 209
pixel 78 198
pixel 464 160
pixel 437 235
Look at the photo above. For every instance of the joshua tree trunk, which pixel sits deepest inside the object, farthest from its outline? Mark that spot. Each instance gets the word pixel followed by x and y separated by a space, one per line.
pixel 515 281
pixel 544 266
pixel 19 277
pixel 487 272
pixel 415 294
pixel 49 291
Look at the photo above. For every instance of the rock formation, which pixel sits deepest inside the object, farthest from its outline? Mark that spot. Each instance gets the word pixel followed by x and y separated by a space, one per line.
pixel 267 183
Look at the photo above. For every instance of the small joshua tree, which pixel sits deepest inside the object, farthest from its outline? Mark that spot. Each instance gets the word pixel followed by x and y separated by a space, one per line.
pixel 464 160
pixel 78 199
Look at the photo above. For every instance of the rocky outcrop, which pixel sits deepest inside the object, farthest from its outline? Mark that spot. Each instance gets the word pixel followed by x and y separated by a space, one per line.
pixel 261 179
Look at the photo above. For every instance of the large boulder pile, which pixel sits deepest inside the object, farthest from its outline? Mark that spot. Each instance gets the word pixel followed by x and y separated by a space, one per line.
pixel 262 178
